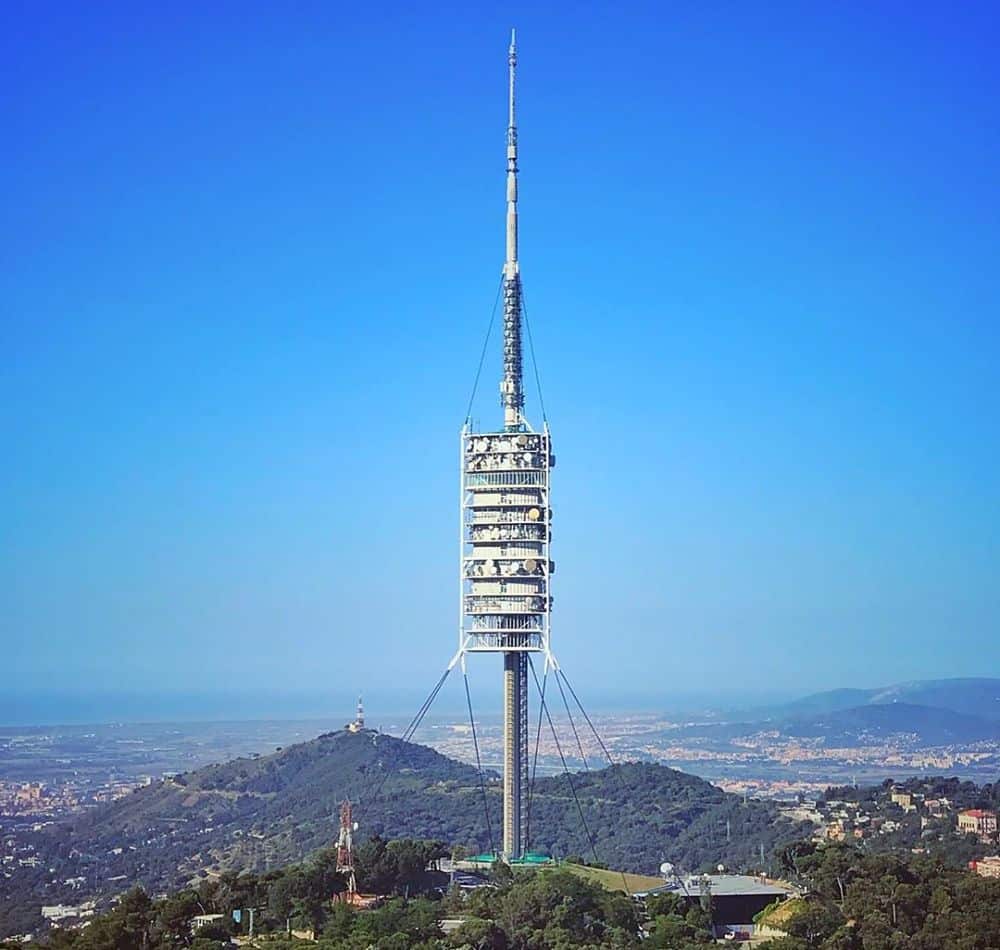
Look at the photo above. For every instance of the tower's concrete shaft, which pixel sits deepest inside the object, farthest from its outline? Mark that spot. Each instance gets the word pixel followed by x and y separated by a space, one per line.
pixel 515 744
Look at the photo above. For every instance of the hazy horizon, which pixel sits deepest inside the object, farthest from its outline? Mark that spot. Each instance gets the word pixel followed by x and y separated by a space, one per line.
pixel 69 708
pixel 383 705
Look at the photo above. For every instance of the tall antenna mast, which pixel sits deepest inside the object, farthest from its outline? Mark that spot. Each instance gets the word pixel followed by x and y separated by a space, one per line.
pixel 505 532
pixel 512 385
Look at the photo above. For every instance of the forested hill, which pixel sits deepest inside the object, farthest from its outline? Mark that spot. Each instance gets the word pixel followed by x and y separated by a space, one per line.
pixel 266 812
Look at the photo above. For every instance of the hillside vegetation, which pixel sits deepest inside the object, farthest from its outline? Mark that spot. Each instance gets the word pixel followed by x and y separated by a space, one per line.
pixel 855 902
pixel 262 813
pixel 863 901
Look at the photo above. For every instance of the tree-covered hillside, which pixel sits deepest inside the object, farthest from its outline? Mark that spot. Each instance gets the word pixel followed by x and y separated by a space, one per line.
pixel 267 812
pixel 861 901
pixel 641 815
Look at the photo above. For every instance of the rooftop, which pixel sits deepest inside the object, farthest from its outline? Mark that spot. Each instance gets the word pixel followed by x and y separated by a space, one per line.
pixel 725 885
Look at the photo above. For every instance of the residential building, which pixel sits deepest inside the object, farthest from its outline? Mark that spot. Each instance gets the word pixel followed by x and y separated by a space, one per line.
pixel 987 867
pixel 903 799
pixel 203 920
pixel 977 821
pixel 835 831
pixel 58 912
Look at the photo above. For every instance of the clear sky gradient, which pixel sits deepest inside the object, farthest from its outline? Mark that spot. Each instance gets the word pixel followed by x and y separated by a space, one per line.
pixel 248 260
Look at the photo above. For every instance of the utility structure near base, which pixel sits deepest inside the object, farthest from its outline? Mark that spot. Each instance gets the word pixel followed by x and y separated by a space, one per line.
pixel 345 846
pixel 505 531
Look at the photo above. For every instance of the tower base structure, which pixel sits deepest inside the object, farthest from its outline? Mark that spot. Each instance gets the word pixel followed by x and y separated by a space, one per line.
pixel 515 754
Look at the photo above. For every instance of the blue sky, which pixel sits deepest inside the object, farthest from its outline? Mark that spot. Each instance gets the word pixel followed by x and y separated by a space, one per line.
pixel 249 257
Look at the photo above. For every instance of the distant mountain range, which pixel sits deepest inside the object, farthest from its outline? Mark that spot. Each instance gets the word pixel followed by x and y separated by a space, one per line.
pixel 933 712
pixel 925 712
pixel 928 725
pixel 971 697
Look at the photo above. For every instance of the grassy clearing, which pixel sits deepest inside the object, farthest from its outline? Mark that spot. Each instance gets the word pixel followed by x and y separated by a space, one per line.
pixel 778 916
pixel 612 880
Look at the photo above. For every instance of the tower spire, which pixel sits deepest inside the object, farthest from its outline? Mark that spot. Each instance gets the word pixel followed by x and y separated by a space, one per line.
pixel 511 387
pixel 510 266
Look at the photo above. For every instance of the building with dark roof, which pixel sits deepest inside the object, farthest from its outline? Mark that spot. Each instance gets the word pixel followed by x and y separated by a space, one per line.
pixel 736 898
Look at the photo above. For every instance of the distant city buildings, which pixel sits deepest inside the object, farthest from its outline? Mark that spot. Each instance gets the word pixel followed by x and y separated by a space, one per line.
pixel 27 795
pixel 53 800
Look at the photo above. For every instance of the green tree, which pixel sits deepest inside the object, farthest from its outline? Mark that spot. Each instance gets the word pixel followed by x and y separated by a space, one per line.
pixel 815 923
pixel 127 927
pixel 672 930
pixel 501 874
pixel 172 920
pixel 478 934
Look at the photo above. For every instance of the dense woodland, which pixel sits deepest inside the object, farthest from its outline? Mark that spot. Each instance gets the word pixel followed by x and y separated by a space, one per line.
pixel 548 909
pixel 863 901
pixel 855 902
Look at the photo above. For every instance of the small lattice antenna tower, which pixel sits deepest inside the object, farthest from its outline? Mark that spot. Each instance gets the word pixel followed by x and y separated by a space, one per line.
pixel 345 846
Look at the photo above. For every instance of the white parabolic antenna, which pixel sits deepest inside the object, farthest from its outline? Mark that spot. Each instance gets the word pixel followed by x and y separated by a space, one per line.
pixel 666 869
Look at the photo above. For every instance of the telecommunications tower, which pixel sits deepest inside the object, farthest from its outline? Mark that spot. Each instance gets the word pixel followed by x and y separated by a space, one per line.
pixel 505 531
pixel 345 846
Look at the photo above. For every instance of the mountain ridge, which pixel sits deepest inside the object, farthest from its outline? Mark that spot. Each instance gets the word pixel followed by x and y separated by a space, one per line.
pixel 971 696
pixel 933 726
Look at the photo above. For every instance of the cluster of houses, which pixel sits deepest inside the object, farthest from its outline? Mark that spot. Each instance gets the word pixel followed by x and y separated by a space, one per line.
pixel 897 811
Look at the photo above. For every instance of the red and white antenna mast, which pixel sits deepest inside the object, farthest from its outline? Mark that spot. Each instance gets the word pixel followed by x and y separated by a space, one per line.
pixel 345 846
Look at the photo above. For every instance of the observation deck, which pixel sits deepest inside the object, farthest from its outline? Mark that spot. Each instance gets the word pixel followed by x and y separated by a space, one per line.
pixel 506 532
